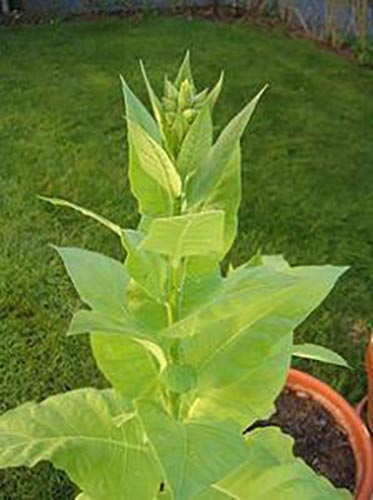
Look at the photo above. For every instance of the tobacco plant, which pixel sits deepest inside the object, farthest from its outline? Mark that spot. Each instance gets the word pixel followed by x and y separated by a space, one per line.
pixel 193 356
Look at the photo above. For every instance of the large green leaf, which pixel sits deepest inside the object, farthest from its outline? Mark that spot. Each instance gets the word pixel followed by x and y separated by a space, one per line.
pixel 241 341
pixel 197 143
pixel 77 433
pixel 272 472
pixel 148 269
pixel 100 281
pixel 191 452
pixel 209 175
pixel 186 235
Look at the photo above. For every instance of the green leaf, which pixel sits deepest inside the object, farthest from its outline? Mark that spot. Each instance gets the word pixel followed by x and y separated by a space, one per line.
pixel 83 496
pixel 241 340
pixel 227 197
pixel 190 452
pixel 201 281
pixel 202 185
pixel 186 235
pixel 179 378
pixel 185 72
pixel 58 202
pixel 271 471
pixel 196 145
pixel 319 353
pixel 215 92
pixel 155 162
pixel 148 269
pixel 85 321
pixel 76 432
pixel 154 101
pixel 147 182
pixel 100 281
pixel 130 368
pixel 132 365
pixel 137 113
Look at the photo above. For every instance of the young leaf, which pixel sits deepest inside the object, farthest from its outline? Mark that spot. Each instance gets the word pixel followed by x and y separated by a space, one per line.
pixel 76 432
pixel 319 353
pixel 190 452
pixel 186 235
pixel 205 180
pixel 185 73
pixel 100 281
pixel 58 202
pixel 271 471
pixel 137 113
pixel 153 199
pixel 215 92
pixel 155 162
pixel 196 145
pixel 154 101
pixel 147 268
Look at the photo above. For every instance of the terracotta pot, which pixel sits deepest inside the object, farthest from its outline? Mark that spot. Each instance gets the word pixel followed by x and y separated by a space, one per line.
pixel 365 407
pixel 348 419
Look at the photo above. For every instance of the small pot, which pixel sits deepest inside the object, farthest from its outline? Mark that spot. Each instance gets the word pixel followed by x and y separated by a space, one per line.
pixel 365 407
pixel 348 420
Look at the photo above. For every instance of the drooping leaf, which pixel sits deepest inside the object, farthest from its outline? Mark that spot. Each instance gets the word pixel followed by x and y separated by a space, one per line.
pixel 58 202
pixel 203 183
pixel 319 353
pixel 196 145
pixel 148 269
pixel 271 471
pixel 186 235
pixel 241 341
pixel 190 452
pixel 76 432
pixel 100 281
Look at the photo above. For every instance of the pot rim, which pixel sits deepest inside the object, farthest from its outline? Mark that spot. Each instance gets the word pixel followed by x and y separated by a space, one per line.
pixel 348 419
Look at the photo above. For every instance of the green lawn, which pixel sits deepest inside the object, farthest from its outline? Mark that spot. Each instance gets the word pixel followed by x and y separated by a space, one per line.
pixel 307 184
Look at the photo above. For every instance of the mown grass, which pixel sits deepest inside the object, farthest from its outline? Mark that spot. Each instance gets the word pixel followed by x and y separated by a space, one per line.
pixel 307 184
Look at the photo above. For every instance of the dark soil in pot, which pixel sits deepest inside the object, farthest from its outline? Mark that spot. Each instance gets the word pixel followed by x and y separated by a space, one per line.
pixel 318 439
